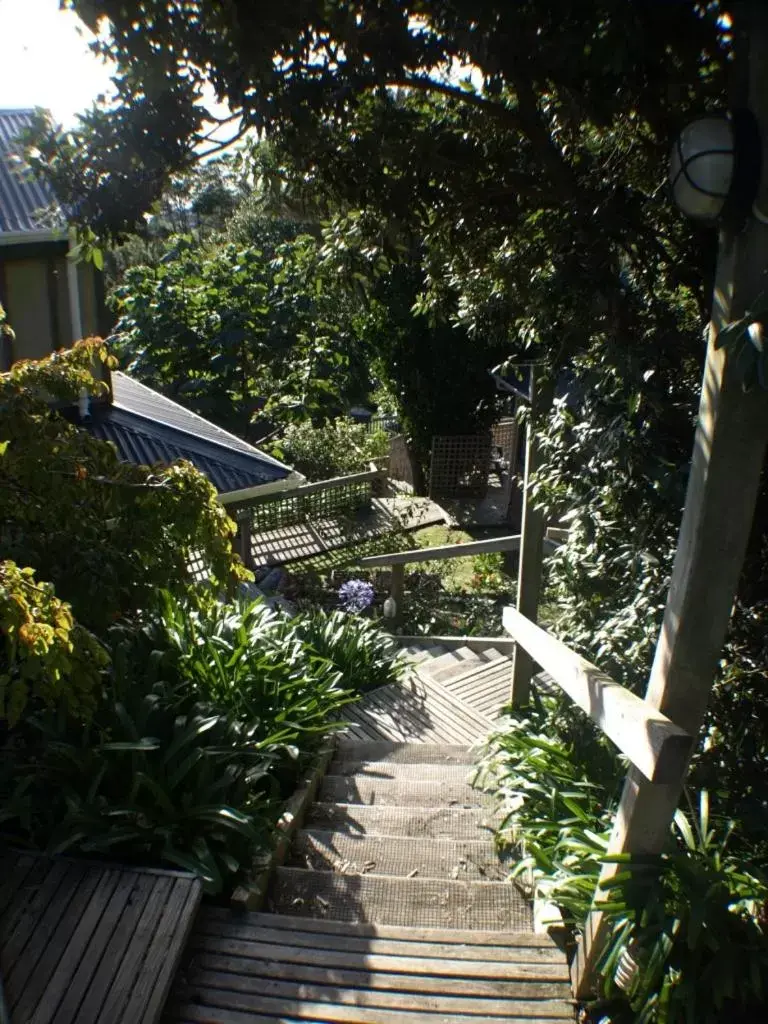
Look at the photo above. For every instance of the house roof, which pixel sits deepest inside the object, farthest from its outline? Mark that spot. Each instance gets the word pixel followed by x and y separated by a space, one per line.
pixel 25 203
pixel 146 428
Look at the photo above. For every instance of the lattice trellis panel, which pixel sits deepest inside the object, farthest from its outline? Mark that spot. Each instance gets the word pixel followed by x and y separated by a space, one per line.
pixel 351 499
pixel 505 436
pixel 460 466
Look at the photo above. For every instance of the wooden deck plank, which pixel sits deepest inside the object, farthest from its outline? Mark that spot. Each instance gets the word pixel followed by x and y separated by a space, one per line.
pixel 73 925
pixel 238 985
pixel 151 987
pixel 517 952
pixel 64 978
pixel 122 983
pixel 380 980
pixel 348 960
pixel 62 954
pixel 404 933
pixel 105 912
pixel 307 540
pixel 296 1007
pixel 31 914
pixel 50 937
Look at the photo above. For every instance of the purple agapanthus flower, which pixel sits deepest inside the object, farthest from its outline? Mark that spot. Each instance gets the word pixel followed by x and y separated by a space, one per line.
pixel 355 595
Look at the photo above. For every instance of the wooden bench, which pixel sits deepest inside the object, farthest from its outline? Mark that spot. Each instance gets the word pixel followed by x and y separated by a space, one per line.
pixel 89 942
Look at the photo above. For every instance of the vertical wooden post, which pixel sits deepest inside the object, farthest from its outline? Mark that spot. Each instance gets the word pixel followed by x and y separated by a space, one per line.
pixel 244 539
pixel 728 456
pixel 531 552
pixel 397 592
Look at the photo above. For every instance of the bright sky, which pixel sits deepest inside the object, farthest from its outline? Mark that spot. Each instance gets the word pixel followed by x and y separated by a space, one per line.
pixel 45 60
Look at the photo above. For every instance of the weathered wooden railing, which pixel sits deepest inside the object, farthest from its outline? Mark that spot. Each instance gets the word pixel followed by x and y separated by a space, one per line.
pixel 654 744
pixel 337 498
pixel 397 560
pixel 656 747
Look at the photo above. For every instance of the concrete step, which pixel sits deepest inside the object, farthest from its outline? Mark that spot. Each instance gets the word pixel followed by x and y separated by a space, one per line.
pixel 417 653
pixel 408 772
pixel 449 660
pixel 451 791
pixel 411 902
pixel 460 670
pixel 348 755
pixel 457 823
pixel 396 855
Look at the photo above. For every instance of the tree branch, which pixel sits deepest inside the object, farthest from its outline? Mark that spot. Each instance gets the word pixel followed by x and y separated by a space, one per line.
pixel 498 110
pixel 221 145
pixel 553 161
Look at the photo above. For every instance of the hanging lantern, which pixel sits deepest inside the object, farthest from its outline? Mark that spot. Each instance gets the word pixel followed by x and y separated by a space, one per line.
pixel 715 168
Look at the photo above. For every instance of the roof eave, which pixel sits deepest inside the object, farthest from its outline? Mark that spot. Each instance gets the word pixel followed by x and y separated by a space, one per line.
pixel 288 483
pixel 25 237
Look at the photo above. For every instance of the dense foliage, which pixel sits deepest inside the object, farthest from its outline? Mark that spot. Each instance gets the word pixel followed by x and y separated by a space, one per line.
pixel 356 648
pixel 688 935
pixel 45 654
pixel 135 526
pixel 336 448
pixel 239 331
pixel 206 717
pixel 494 172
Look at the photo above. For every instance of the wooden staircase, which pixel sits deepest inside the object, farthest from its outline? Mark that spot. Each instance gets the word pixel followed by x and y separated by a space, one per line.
pixel 393 905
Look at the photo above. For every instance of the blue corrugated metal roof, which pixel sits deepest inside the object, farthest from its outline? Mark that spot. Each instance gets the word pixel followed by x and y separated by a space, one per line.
pixel 25 203
pixel 129 393
pixel 146 443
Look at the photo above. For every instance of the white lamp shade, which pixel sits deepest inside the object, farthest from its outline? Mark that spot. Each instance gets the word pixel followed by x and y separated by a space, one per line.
pixel 702 167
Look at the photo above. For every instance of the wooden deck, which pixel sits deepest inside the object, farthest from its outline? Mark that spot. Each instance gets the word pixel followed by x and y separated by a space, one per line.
pixel 307 540
pixel 446 698
pixel 414 712
pixel 393 906
pixel 270 968
pixel 84 943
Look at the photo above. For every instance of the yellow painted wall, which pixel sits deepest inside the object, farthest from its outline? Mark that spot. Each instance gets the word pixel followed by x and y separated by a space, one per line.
pixel 26 301
pixel 28 295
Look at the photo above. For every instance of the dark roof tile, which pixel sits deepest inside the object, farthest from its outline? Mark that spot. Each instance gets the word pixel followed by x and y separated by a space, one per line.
pixel 25 203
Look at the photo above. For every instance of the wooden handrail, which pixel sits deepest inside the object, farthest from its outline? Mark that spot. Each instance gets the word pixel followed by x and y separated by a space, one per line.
pixel 320 485
pixel 475 547
pixel 655 745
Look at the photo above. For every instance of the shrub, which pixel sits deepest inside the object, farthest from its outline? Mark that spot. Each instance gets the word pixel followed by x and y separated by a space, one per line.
pixel 156 779
pixel 557 782
pixel 337 448
pixel 105 533
pixel 689 937
pixel 44 653
pixel 691 921
pixel 262 668
pixel 360 651
pixel 209 714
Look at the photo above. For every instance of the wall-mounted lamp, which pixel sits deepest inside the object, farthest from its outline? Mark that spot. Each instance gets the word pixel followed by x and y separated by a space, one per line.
pixel 715 168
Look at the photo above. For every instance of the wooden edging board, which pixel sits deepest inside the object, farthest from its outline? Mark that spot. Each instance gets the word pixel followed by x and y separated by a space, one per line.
pixel 251 895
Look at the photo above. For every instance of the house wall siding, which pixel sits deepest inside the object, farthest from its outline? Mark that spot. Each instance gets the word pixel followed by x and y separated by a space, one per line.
pixel 35 294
